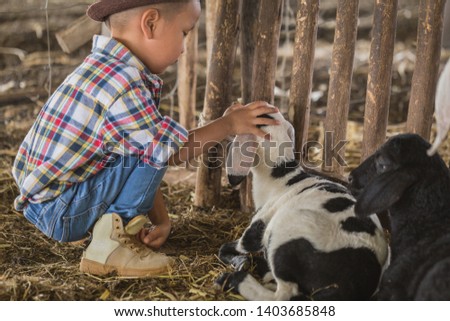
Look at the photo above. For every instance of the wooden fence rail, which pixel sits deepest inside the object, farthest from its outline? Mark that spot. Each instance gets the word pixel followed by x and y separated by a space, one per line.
pixel 249 30
pixel 218 97
pixel 423 87
pixel 187 81
pixel 260 22
pixel 340 81
pixel 379 79
pixel 307 21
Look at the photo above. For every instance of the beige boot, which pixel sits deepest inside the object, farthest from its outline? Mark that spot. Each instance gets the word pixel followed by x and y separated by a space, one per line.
pixel 114 248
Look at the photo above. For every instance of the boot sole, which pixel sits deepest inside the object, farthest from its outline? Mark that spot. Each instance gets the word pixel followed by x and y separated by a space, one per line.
pixel 92 267
pixel 136 224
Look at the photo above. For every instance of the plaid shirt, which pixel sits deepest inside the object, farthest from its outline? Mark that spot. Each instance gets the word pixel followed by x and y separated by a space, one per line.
pixel 107 106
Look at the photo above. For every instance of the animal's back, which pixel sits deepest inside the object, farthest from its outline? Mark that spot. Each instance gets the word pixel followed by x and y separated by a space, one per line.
pixel 435 285
pixel 430 279
pixel 342 274
pixel 330 255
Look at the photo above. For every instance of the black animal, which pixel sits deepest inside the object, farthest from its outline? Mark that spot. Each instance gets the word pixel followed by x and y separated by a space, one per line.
pixel 415 188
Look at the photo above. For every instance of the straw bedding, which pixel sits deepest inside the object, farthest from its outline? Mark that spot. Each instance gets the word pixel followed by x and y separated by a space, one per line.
pixel 33 267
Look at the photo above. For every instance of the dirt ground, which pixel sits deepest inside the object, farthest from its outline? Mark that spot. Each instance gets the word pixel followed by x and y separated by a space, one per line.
pixel 33 267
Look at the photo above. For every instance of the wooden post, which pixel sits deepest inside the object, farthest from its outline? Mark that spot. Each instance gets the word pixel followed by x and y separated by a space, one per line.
pixel 380 76
pixel 78 33
pixel 302 69
pixel 218 98
pixel 249 29
pixel 446 31
pixel 423 88
pixel 187 80
pixel 340 85
pixel 211 19
pixel 265 60
pixel 264 64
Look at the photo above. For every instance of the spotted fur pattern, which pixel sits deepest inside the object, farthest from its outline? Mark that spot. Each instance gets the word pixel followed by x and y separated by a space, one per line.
pixel 314 245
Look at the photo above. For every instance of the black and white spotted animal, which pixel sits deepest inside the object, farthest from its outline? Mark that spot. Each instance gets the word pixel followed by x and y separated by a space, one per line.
pixel 313 244
pixel 415 188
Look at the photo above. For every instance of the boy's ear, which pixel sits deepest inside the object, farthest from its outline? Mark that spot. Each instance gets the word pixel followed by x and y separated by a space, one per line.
pixel 383 191
pixel 149 20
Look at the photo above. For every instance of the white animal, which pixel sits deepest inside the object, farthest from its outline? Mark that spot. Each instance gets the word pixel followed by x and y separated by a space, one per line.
pixel 313 244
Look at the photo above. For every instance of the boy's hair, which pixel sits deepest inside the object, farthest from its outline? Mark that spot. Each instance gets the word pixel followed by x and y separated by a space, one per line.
pixel 102 9
pixel 166 9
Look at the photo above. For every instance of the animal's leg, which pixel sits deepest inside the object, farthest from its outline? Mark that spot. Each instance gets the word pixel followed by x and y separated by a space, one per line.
pixel 229 254
pixel 262 269
pixel 246 285
pixel 286 290
pixel 251 239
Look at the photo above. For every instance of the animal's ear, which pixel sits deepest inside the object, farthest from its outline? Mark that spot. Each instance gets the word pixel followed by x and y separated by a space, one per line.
pixel 383 191
pixel 240 158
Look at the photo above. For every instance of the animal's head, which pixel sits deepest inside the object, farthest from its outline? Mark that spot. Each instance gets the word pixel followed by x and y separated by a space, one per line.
pixel 398 165
pixel 247 151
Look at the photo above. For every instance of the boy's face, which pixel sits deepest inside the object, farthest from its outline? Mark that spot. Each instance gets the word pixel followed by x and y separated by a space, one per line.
pixel 169 36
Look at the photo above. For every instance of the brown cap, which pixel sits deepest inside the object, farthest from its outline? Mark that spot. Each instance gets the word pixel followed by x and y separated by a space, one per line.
pixel 102 9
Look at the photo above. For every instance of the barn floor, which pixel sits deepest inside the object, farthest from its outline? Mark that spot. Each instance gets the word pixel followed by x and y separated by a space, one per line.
pixel 33 267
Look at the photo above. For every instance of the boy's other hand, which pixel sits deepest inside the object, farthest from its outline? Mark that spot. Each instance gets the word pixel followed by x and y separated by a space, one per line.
pixel 245 119
pixel 155 236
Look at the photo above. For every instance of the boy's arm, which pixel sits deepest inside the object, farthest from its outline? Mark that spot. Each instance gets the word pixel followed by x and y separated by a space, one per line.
pixel 237 119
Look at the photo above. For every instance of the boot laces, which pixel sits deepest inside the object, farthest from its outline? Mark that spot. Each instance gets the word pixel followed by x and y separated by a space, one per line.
pixel 131 242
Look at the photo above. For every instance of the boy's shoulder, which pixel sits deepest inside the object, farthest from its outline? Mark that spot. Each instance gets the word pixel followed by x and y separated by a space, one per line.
pixel 108 73
pixel 105 76
pixel 97 67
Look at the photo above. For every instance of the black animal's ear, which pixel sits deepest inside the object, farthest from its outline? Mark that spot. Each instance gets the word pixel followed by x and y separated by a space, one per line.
pixel 383 191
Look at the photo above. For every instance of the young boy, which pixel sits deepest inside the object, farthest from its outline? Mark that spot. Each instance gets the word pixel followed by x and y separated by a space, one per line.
pixel 96 154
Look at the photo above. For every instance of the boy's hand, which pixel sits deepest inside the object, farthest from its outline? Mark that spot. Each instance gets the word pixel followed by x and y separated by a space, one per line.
pixel 155 236
pixel 244 119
